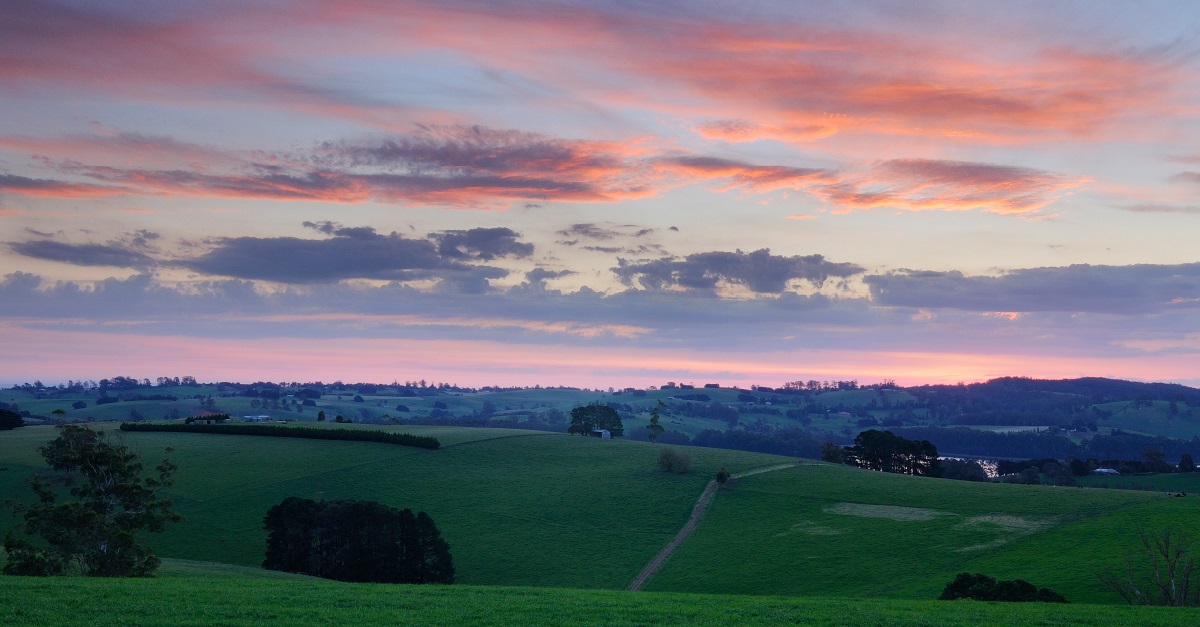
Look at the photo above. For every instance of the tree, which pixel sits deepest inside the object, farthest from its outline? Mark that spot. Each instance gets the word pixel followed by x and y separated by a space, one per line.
pixel 887 452
pixel 832 453
pixel 93 535
pixel 964 470
pixel 10 420
pixel 1186 464
pixel 586 418
pixel 1160 573
pixel 356 541
pixel 1153 459
pixel 655 429
pixel 722 476
pixel 672 460
pixel 321 416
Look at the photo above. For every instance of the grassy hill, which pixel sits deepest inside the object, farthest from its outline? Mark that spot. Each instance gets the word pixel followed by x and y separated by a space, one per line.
pixel 830 530
pixel 538 509
pixel 517 507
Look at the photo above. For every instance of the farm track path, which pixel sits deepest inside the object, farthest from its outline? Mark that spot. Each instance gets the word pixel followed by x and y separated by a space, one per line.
pixel 702 504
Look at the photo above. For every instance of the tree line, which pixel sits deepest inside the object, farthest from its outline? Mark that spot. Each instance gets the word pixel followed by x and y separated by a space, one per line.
pixel 310 433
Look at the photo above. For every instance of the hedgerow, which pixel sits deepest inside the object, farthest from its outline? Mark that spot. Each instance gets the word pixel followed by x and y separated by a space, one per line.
pixel 310 433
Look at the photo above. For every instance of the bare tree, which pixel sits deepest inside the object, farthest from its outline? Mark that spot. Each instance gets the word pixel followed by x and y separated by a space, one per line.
pixel 1159 574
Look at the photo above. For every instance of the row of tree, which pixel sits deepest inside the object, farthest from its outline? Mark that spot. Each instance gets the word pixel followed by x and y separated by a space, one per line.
pixel 356 541
pixel 886 452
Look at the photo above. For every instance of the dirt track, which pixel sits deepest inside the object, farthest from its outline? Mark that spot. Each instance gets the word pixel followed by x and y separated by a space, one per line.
pixel 697 512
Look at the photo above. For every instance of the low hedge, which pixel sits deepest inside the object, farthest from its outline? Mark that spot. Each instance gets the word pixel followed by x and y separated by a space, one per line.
pixel 311 433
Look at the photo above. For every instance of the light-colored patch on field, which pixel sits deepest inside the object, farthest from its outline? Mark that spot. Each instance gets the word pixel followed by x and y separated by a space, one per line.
pixel 811 528
pixel 1010 528
pixel 891 512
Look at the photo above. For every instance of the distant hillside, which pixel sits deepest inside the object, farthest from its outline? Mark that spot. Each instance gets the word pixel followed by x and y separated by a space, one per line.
pixel 1012 416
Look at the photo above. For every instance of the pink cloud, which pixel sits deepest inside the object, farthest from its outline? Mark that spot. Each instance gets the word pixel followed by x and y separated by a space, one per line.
pixel 924 184
pixel 783 77
pixel 478 363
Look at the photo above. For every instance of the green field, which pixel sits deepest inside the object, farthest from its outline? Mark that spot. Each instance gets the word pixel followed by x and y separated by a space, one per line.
pixel 517 507
pixel 541 511
pixel 203 594
pixel 835 530
pixel 1176 482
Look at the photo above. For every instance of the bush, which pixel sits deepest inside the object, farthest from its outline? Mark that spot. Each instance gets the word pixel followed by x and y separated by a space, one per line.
pixel 984 588
pixel 672 460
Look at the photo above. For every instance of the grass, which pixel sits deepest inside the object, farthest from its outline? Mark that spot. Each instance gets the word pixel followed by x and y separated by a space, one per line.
pixel 1188 482
pixel 517 507
pixel 546 510
pixel 820 529
pixel 203 594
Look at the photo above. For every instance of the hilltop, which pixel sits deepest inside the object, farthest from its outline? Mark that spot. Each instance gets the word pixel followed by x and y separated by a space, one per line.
pixel 1010 417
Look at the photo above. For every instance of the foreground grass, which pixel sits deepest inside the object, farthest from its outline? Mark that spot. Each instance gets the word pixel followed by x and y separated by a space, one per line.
pixel 200 594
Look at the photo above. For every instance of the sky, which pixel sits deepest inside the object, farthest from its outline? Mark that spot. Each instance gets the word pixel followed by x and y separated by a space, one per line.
pixel 599 194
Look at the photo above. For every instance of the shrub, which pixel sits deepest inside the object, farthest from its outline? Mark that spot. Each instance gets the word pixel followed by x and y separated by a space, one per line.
pixel 984 588
pixel 672 460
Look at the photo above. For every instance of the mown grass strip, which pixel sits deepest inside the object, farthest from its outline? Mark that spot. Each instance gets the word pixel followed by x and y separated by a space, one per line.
pixel 308 433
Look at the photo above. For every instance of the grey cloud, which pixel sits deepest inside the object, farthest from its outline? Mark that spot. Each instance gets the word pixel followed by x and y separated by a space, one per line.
pixel 333 228
pixel 482 243
pixel 83 254
pixel 588 230
pixel 362 253
pixel 294 260
pixel 1187 177
pixel 1158 208
pixel 1077 288
pixel 760 271
pixel 541 275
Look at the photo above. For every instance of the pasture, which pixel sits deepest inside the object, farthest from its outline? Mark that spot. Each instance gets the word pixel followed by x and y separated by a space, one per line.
pixel 188 593
pixel 535 509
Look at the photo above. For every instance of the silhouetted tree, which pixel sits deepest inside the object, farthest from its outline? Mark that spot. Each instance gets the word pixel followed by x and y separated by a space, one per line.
pixel 356 541
pixel 94 534
pixel 887 452
pixel 963 470
pixel 588 417
pixel 10 420
pixel 832 453
pixel 655 429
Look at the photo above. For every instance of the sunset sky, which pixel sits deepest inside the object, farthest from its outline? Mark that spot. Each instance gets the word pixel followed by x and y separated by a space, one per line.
pixel 599 194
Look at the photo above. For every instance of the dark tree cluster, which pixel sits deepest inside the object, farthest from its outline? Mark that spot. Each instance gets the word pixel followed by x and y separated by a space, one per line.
pixel 981 587
pixel 361 541
pixel 588 417
pixel 887 452
pixel 10 420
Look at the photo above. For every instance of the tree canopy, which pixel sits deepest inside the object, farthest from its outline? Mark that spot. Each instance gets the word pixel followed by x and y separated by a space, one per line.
pixel 588 417
pixel 360 541
pixel 10 420
pixel 887 452
pixel 94 534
